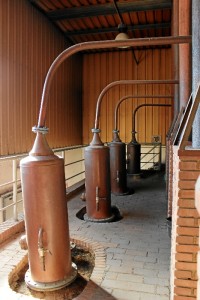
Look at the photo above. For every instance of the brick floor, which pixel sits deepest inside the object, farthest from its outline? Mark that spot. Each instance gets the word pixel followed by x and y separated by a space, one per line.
pixel 132 255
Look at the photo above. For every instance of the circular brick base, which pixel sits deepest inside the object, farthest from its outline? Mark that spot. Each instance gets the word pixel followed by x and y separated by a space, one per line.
pixel 95 279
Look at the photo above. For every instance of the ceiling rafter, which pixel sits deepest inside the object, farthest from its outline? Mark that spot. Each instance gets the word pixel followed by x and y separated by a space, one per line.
pixel 107 9
pixel 79 23
pixel 115 29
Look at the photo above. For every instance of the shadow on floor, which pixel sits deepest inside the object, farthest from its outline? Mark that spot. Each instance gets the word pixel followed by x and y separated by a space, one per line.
pixel 93 291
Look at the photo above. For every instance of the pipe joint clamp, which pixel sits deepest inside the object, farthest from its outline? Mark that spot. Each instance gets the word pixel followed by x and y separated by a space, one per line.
pixel 115 130
pixel 42 130
pixel 96 130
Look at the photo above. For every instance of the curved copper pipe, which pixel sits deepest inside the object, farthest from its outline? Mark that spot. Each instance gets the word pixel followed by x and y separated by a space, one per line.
pixel 134 113
pixel 98 45
pixel 132 97
pixel 125 82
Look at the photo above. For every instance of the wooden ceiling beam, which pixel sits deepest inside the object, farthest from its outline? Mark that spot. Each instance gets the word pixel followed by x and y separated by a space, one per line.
pixel 115 29
pixel 106 9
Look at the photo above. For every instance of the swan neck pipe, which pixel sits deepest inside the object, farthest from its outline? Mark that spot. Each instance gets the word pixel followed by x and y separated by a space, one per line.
pixel 134 114
pixel 134 97
pixel 98 45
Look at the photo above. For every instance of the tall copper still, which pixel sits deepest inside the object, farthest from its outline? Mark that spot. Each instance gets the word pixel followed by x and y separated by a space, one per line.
pixel 118 165
pixel 118 151
pixel 97 181
pixel 97 164
pixel 46 218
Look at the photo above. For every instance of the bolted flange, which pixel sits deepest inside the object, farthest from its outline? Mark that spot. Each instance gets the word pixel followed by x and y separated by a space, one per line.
pixel 50 286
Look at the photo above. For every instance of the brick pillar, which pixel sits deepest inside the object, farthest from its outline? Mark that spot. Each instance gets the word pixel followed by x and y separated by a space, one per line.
pixel 197 204
pixel 185 233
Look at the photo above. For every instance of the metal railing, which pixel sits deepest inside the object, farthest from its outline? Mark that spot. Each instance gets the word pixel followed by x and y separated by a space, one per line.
pixel 10 190
pixel 151 159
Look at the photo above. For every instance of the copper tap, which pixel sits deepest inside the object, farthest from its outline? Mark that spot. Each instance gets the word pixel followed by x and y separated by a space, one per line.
pixel 41 250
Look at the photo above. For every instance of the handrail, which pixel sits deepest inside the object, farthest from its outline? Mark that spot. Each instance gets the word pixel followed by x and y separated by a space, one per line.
pixel 74 162
pixel 190 118
pixel 182 121
pixel 147 153
pixel 153 155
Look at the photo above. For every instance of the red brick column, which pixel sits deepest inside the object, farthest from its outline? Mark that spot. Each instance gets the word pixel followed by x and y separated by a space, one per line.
pixel 185 227
pixel 170 179
pixel 197 204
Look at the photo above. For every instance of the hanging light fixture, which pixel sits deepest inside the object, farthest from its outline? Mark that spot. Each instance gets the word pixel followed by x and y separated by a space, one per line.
pixel 122 35
pixel 122 27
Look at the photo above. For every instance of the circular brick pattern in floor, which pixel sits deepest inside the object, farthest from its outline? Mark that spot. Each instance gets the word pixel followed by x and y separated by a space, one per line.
pixel 96 276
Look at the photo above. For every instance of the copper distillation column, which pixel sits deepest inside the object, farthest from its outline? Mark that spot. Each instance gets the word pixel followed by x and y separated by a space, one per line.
pixel 97 164
pixel 118 159
pixel 46 218
pixel 118 151
pixel 97 183
pixel 134 148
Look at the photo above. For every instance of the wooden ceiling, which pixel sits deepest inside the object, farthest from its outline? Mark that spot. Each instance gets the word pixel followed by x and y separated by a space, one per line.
pixel 93 20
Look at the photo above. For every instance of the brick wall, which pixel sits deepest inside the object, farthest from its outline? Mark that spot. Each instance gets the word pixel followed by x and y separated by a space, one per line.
pixel 197 204
pixel 186 229
pixel 170 179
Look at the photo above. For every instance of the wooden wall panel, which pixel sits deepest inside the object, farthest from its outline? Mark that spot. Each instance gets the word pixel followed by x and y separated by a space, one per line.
pixel 28 45
pixel 104 68
pixel 149 91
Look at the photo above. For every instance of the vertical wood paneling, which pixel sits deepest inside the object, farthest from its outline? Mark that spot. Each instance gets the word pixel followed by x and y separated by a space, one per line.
pixel 114 76
pixel 129 102
pixel 110 96
pixel 162 111
pixel 141 114
pixel 153 64
pixel 102 83
pixel 28 45
pixel 86 95
pixel 156 75
pixel 149 91
pixel 170 112
pixel 122 92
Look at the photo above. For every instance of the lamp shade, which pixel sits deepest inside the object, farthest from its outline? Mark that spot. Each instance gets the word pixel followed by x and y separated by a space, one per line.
pixel 122 35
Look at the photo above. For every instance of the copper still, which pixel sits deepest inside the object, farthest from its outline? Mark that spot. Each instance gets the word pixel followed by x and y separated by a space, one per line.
pixel 118 165
pixel 133 156
pixel 98 164
pixel 46 218
pixel 97 181
pixel 118 152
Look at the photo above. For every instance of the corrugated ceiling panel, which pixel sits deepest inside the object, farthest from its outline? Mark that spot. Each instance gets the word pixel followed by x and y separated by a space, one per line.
pixel 143 18
pixel 28 45
pixel 108 67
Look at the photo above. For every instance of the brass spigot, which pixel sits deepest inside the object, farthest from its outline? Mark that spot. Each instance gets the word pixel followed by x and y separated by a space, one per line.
pixel 41 250
pixel 97 198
